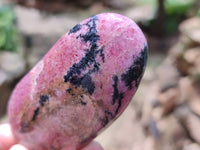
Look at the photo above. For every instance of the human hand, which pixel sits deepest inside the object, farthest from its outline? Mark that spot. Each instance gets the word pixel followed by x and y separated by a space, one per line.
pixel 8 142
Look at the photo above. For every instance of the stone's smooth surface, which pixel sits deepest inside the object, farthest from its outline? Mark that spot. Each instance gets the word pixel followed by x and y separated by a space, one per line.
pixel 81 85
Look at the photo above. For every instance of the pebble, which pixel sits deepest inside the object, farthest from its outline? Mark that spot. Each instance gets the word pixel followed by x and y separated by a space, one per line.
pixel 81 85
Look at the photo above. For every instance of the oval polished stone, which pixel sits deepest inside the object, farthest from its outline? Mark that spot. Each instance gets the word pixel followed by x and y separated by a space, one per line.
pixel 82 84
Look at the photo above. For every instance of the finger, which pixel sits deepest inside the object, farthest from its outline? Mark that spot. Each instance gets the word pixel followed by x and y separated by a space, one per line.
pixel 18 147
pixel 6 137
pixel 93 146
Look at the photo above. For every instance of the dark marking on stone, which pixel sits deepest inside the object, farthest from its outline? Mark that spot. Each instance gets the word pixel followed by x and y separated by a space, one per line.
pixel 75 74
pixel 117 96
pixel 86 140
pixel 102 54
pixel 88 84
pixel 106 121
pixel 36 112
pixel 101 86
pixel 121 96
pixel 43 99
pixel 109 113
pixel 136 70
pixel 25 127
pixel 116 92
pixel 91 36
pixel 85 62
pixel 75 29
pixel 108 116
pixel 69 90
pixel 52 147
pixel 83 103
pixel 85 82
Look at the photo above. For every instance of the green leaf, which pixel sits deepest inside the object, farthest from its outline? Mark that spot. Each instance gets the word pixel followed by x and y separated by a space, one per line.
pixel 2 37
pixel 198 13
pixel 8 31
pixel 178 7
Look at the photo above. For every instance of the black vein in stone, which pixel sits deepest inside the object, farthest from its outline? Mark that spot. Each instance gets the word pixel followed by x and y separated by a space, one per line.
pixel 135 71
pixel 75 29
pixel 109 113
pixel 91 36
pixel 36 112
pixel 75 75
pixel 43 99
pixel 117 96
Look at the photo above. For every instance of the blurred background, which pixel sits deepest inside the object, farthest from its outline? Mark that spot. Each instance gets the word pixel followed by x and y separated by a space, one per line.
pixel 165 112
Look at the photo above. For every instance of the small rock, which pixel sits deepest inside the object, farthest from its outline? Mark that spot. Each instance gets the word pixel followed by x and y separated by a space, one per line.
pixel 171 130
pixel 3 76
pixel 195 106
pixel 141 13
pixel 147 102
pixel 192 54
pixel 187 90
pixel 12 64
pixel 177 50
pixel 123 139
pixel 189 121
pixel 32 21
pixel 193 124
pixel 183 66
pixel 149 144
pixel 149 75
pixel 169 100
pixel 169 79
pixel 193 146
pixel 187 42
pixel 191 28
pixel 195 76
pixel 117 4
pixel 176 53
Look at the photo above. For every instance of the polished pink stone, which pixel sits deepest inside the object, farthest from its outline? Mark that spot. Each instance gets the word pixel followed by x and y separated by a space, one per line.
pixel 81 85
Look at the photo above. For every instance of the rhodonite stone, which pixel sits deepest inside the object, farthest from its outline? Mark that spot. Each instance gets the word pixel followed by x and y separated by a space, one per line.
pixel 81 85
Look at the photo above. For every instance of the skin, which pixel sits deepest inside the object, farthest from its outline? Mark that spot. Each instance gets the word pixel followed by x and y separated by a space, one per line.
pixel 8 142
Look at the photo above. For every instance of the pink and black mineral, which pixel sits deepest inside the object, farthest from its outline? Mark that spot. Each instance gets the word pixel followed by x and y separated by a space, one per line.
pixel 81 85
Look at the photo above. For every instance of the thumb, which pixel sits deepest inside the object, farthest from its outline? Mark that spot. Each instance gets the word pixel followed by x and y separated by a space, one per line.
pixel 18 147
pixel 6 137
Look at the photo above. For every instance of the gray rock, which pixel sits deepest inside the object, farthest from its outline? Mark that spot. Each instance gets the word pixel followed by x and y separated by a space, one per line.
pixel 141 13
pixel 167 74
pixel 189 121
pixel 193 146
pixel 191 28
pixel 12 67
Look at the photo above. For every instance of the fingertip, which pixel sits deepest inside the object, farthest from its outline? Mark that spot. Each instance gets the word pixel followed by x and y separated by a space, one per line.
pixel 6 137
pixel 5 130
pixel 93 146
pixel 18 147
